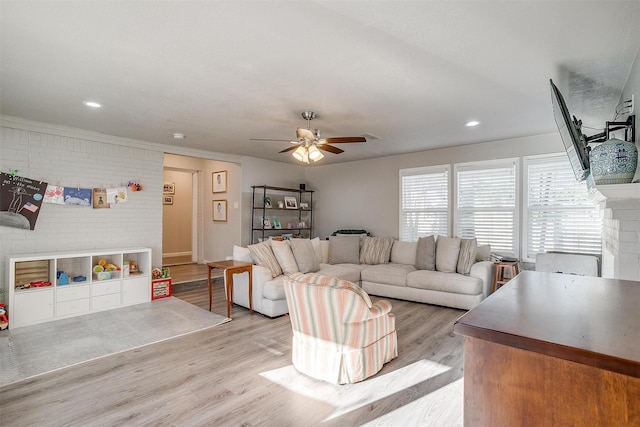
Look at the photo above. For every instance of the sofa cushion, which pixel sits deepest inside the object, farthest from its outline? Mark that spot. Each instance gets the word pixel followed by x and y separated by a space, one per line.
pixel 483 253
pixel 344 249
pixel 467 256
pixel 350 272
pixel 426 253
pixel 242 254
pixel 447 251
pixel 284 256
pixel 403 252
pixel 389 274
pixel 263 255
pixel 305 255
pixel 274 289
pixel 376 250
pixel 444 282
pixel 317 249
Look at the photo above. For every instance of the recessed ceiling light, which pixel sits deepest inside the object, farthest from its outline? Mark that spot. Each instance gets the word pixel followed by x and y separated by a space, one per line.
pixel 92 104
pixel 178 136
pixel 472 123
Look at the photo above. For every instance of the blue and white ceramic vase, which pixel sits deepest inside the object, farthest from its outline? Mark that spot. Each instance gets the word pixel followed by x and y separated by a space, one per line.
pixel 613 162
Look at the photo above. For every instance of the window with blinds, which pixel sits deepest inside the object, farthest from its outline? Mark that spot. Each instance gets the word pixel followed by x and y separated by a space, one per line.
pixel 425 202
pixel 487 204
pixel 559 216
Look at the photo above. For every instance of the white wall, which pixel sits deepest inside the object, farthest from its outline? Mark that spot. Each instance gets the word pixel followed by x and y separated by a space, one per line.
pixel 366 194
pixel 76 160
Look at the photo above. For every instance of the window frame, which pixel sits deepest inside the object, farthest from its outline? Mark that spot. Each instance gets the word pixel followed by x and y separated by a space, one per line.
pixel 491 164
pixel 527 160
pixel 424 170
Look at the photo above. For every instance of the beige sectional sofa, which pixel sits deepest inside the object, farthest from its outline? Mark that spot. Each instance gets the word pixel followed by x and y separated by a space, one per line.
pixel 399 277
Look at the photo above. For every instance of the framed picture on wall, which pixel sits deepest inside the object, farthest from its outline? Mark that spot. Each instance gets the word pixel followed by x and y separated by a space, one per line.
pixel 219 210
pixel 219 182
pixel 169 188
pixel 167 200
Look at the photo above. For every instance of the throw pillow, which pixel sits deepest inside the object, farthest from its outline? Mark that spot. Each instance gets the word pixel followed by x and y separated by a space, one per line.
pixel 317 248
pixel 242 254
pixel 426 253
pixel 483 253
pixel 305 255
pixel 447 251
pixel 344 250
pixel 284 255
pixel 467 256
pixel 376 250
pixel 263 256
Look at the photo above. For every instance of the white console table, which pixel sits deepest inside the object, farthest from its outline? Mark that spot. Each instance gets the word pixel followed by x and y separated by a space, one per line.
pixel 32 305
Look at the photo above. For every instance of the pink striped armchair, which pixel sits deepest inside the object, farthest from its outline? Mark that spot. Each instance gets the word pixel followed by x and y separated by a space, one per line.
pixel 339 336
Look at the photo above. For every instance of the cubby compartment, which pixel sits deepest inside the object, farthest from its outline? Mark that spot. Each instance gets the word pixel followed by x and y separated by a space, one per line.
pixel 46 287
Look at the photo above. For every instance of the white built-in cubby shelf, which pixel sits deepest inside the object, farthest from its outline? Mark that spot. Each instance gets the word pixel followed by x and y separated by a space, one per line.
pixel 29 303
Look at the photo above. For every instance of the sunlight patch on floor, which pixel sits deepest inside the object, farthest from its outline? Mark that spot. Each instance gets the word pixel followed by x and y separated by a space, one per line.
pixel 348 397
pixel 435 409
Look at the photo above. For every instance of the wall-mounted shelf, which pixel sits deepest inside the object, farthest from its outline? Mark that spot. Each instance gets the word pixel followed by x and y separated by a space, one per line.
pixel 264 204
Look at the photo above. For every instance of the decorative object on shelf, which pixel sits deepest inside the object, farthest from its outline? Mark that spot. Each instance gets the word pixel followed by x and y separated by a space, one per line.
pixel 302 224
pixel 167 200
pixel 290 202
pixel 303 187
pixel 267 202
pixel 219 182
pixel 169 188
pixel 266 223
pixel 219 210
pixel 304 205
pixel 613 162
pixel 281 204
pixel 276 223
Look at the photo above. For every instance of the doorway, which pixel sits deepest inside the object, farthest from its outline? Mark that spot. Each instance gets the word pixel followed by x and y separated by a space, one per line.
pixel 179 223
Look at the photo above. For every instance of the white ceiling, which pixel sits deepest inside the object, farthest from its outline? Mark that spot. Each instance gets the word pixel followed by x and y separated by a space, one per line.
pixel 410 73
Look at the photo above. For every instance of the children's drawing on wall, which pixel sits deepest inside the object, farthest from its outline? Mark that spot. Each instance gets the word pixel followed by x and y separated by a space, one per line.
pixel 20 201
pixel 54 194
pixel 100 198
pixel 117 195
pixel 77 196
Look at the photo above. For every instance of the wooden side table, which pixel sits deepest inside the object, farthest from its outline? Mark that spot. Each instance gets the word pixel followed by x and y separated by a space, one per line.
pixel 230 268
pixel 502 267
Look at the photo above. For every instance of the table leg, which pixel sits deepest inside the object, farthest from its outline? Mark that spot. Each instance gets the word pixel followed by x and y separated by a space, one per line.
pixel 210 291
pixel 229 291
pixel 250 291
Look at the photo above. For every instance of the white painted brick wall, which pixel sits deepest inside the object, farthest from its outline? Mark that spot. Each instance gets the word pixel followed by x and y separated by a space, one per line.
pixel 621 240
pixel 73 162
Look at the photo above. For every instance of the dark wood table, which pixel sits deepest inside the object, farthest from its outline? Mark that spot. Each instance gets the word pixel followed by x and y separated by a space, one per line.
pixel 230 268
pixel 553 349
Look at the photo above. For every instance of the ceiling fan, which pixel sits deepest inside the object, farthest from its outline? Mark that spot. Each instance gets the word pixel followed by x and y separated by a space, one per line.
pixel 309 144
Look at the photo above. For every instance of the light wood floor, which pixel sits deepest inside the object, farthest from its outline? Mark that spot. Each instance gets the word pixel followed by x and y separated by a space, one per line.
pixel 191 272
pixel 240 374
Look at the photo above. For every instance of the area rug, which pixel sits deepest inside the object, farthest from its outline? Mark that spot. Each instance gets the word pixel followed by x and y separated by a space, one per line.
pixel 37 349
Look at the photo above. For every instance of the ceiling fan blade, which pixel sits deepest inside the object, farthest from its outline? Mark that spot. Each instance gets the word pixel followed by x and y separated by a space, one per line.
pixel 307 134
pixel 330 148
pixel 266 139
pixel 344 139
pixel 293 147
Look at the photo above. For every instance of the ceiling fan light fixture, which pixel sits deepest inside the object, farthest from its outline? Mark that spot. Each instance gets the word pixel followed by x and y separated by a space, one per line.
pixel 315 154
pixel 301 154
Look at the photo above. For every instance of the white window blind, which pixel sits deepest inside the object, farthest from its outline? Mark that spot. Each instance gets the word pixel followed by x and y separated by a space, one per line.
pixel 486 199
pixel 559 215
pixel 425 202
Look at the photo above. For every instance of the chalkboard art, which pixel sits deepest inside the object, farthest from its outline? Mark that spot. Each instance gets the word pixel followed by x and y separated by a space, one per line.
pixel 20 201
